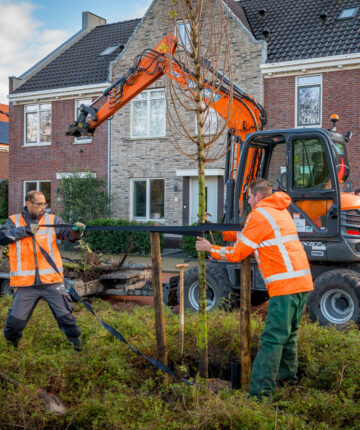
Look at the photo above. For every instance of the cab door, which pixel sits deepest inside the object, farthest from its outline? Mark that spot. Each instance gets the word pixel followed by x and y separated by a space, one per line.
pixel 312 185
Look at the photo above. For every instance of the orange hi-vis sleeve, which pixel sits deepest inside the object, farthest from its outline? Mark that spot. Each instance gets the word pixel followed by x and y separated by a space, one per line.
pixel 271 235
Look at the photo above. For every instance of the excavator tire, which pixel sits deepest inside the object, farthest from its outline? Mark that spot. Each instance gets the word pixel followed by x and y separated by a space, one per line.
pixel 5 289
pixel 336 298
pixel 218 288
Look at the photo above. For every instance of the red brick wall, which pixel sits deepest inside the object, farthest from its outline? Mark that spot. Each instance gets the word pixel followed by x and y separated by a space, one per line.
pixel 43 162
pixel 340 95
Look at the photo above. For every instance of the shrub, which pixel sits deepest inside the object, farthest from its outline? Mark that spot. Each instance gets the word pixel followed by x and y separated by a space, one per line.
pixel 188 242
pixel 4 187
pixel 84 197
pixel 115 242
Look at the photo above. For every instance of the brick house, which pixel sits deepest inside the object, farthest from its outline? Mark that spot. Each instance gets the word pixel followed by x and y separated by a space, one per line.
pixel 44 102
pixel 287 54
pixel 312 68
pixel 150 178
pixel 4 142
pixel 300 59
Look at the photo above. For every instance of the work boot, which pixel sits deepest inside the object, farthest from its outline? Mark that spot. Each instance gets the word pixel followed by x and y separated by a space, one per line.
pixel 14 342
pixel 287 381
pixel 76 342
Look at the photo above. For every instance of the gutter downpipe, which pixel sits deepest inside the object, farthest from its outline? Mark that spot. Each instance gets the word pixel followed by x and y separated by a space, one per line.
pixel 109 156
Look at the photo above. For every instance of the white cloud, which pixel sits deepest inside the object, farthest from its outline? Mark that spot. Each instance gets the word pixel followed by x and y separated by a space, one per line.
pixel 140 10
pixel 22 41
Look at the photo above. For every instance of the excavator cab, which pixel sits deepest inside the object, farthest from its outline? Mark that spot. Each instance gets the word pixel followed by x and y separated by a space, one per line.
pixel 303 163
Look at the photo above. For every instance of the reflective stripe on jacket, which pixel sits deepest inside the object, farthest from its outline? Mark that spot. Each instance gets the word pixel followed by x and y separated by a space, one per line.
pixel 270 233
pixel 22 258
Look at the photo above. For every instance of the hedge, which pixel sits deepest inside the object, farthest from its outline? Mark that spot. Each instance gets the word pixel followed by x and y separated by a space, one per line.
pixel 116 242
pixel 188 242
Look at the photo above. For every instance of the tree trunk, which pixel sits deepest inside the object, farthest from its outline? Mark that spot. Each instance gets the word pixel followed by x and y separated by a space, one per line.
pixel 203 334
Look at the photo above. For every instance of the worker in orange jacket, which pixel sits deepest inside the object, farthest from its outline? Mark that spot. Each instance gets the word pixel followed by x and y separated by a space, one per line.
pixel 31 243
pixel 270 233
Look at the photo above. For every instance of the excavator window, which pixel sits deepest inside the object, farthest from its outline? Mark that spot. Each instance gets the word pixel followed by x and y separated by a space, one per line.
pixel 310 166
pixel 311 172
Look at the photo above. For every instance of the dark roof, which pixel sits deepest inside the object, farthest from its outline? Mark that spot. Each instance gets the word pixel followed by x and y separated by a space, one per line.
pixel 296 29
pixel 81 64
pixel 4 132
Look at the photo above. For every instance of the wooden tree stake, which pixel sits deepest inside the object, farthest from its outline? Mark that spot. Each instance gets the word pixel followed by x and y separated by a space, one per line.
pixel 245 308
pixel 158 298
pixel 181 307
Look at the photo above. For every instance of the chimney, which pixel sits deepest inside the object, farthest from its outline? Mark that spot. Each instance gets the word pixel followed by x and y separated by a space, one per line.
pixel 89 21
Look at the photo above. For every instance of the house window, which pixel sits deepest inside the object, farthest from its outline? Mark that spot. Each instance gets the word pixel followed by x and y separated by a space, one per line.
pixel 148 114
pixel 183 35
pixel 43 186
pixel 147 196
pixel 38 124
pixel 109 50
pixel 211 121
pixel 78 103
pixel 308 101
pixel 348 12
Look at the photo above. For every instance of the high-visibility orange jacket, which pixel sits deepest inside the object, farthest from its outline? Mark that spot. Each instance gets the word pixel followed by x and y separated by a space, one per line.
pixel 25 256
pixel 270 233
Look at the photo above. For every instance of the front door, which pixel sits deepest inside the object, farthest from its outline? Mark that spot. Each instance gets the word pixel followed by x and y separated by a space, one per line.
pixel 210 195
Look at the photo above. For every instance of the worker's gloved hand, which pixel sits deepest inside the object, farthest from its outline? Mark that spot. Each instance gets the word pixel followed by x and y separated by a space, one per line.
pixel 34 228
pixel 79 226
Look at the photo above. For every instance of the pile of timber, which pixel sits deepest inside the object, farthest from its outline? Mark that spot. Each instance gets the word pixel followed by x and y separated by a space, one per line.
pixel 131 280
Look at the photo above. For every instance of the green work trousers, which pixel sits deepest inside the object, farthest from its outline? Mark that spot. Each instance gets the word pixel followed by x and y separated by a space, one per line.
pixel 277 357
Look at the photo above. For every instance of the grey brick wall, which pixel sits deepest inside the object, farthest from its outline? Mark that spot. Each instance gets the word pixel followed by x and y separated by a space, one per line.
pixel 159 158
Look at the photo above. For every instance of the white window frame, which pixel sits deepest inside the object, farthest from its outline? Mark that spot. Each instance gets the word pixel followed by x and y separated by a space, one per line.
pixel 213 127
pixel 37 188
pixel 85 139
pixel 187 41
pixel 147 217
pixel 311 81
pixel 344 14
pixel 148 135
pixel 37 110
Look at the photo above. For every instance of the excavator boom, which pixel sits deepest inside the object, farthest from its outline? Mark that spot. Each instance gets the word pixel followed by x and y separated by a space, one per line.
pixel 244 114
pixel 241 111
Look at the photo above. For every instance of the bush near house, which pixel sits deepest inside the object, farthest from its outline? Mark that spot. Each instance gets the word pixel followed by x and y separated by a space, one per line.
pixel 107 386
pixel 117 242
pixel 188 242
pixel 4 187
pixel 84 197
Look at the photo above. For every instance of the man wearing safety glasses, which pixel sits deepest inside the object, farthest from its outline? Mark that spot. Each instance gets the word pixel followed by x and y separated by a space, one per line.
pixel 32 246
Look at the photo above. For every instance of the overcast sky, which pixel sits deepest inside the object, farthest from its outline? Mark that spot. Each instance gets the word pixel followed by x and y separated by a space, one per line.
pixel 31 29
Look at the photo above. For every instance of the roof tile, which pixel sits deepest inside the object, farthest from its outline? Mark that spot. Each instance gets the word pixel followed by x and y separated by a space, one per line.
pixel 81 64
pixel 296 24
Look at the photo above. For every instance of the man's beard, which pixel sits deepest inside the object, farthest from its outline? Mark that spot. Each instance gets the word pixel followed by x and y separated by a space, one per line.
pixel 37 217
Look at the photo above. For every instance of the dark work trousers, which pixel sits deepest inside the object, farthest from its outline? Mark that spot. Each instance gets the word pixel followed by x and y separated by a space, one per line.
pixel 277 357
pixel 25 301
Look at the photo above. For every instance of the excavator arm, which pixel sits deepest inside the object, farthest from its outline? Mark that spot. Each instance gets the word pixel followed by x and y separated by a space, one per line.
pixel 246 114
pixel 243 113
pixel 147 68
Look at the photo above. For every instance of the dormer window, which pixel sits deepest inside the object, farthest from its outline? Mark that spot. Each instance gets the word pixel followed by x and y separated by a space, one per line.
pixel 348 12
pixel 109 50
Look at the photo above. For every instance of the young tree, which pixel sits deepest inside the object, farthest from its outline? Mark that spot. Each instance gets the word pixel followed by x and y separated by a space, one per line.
pixel 201 27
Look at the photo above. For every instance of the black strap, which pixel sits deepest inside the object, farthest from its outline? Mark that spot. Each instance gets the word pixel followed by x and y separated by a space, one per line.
pixel 186 230
pixel 108 327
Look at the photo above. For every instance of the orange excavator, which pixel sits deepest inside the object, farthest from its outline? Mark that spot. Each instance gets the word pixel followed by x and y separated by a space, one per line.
pixel 310 164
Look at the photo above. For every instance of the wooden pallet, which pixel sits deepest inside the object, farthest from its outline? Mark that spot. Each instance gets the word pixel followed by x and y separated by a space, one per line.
pixel 131 279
